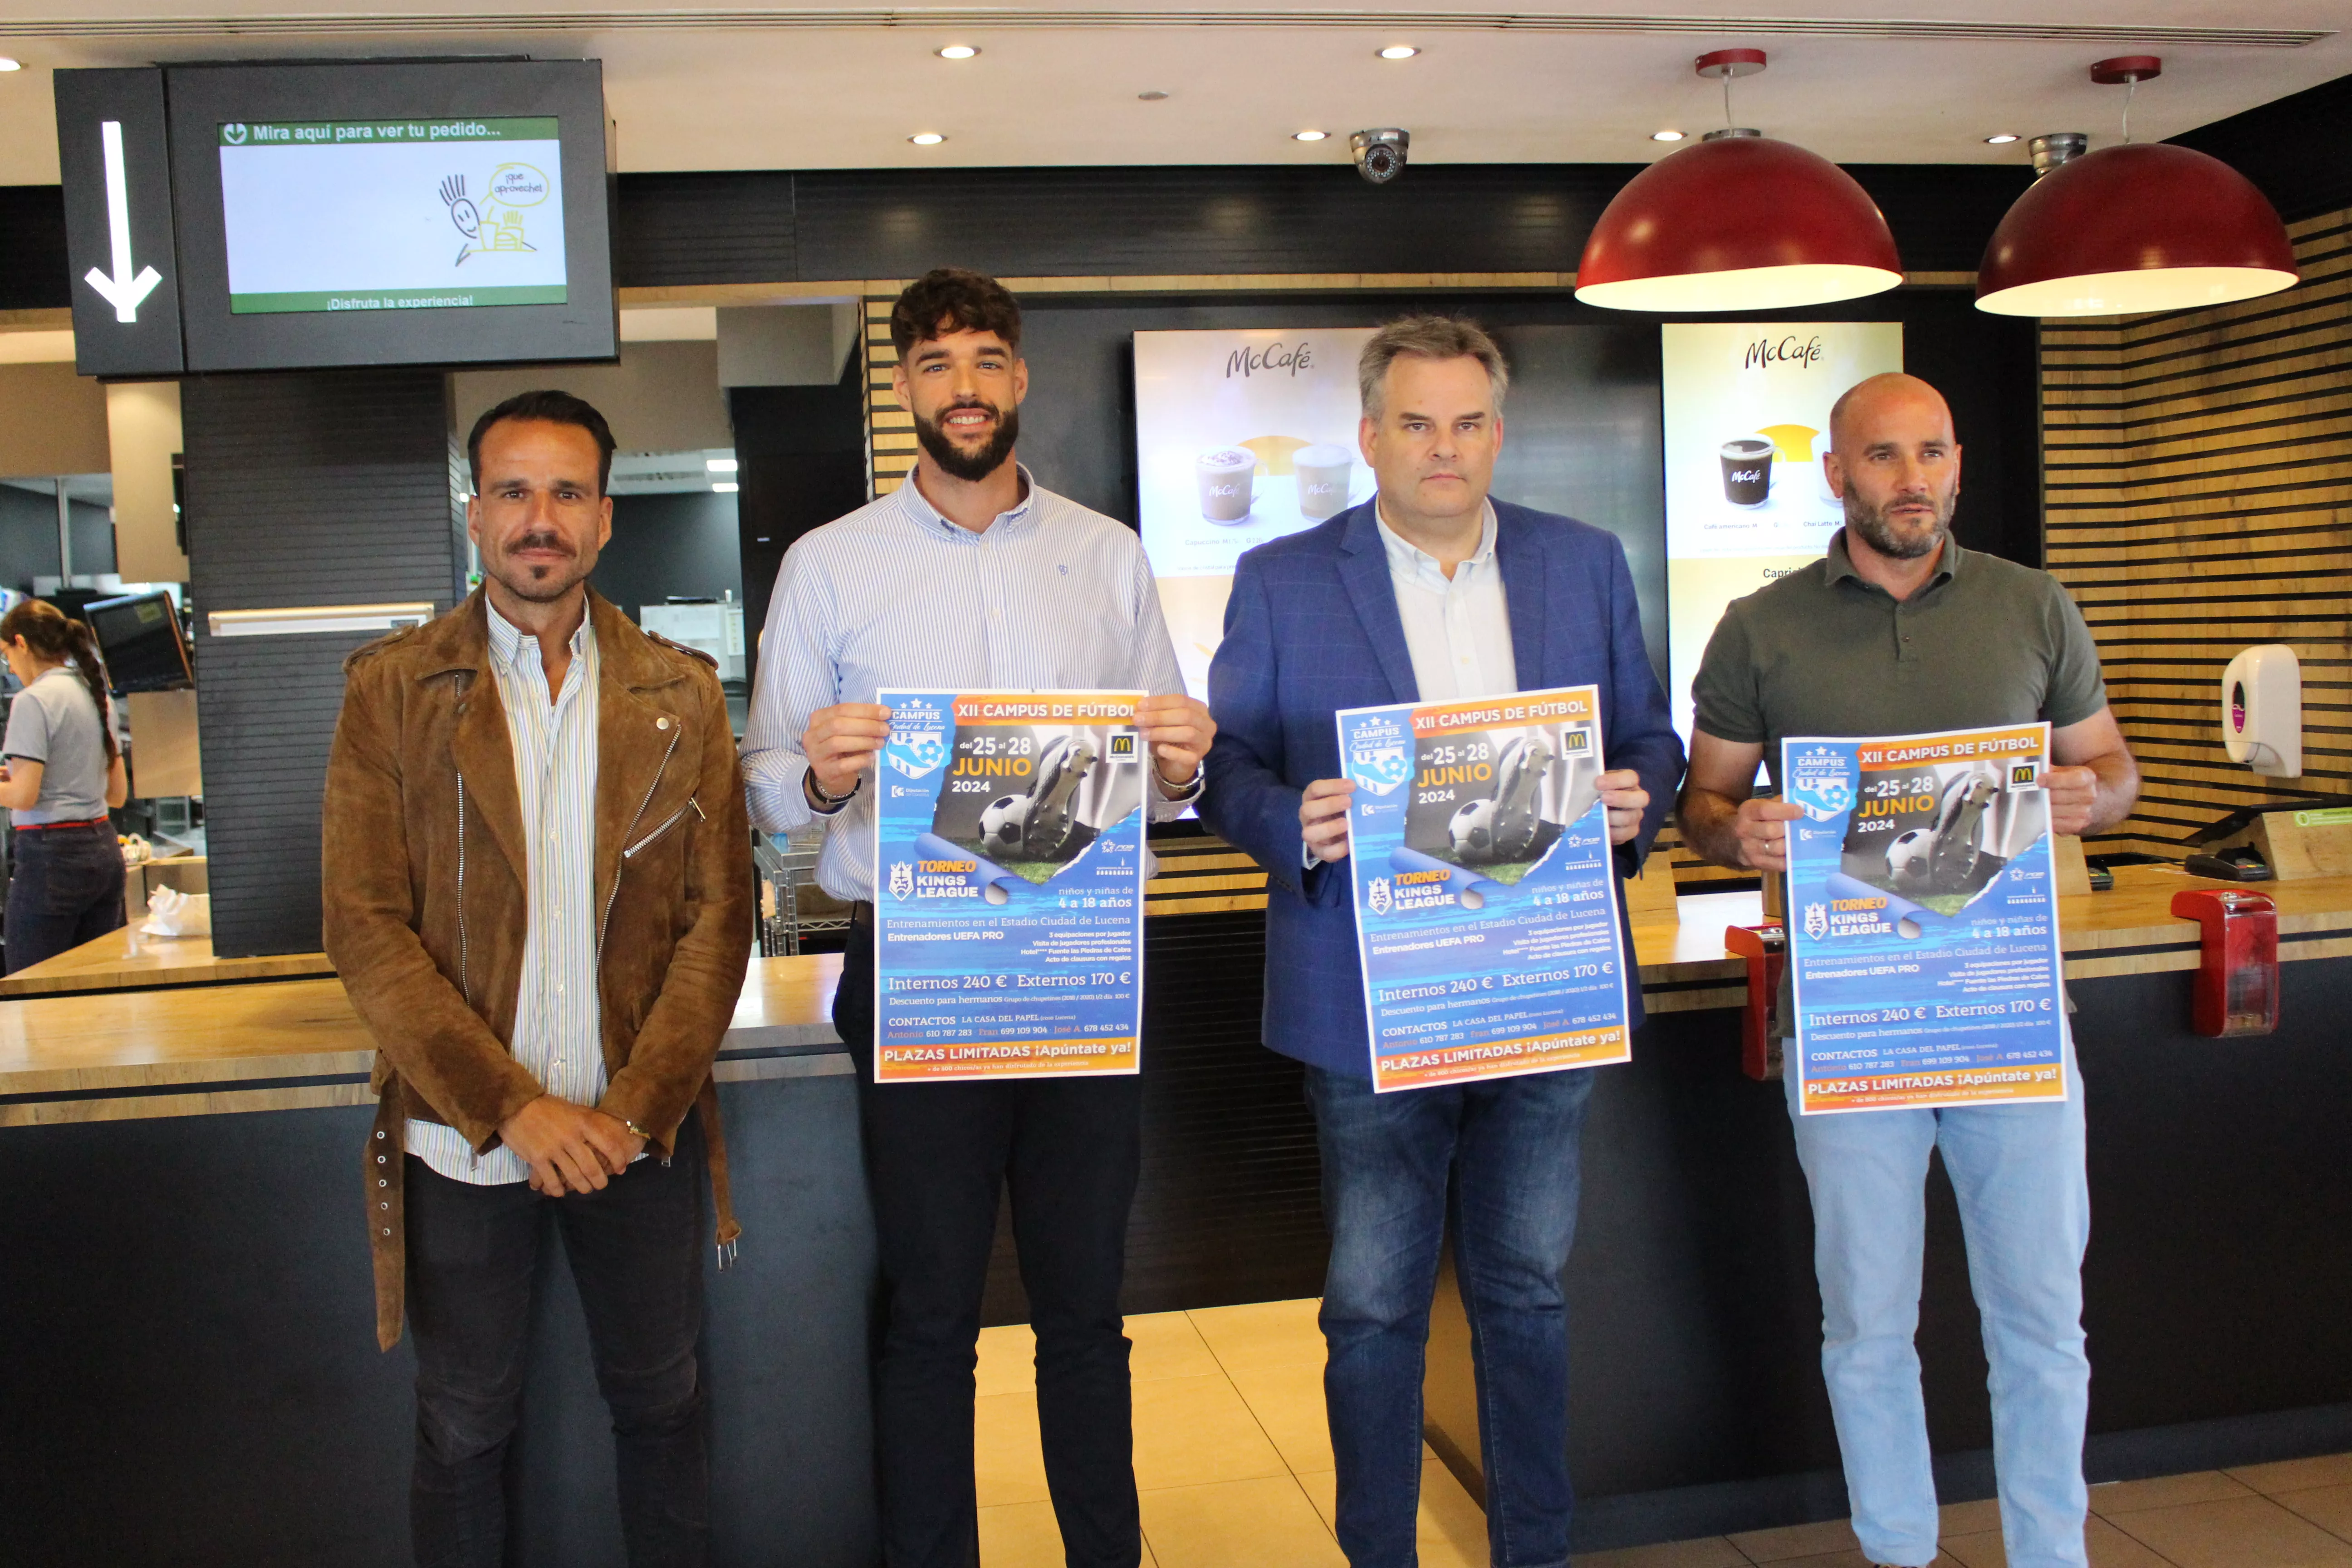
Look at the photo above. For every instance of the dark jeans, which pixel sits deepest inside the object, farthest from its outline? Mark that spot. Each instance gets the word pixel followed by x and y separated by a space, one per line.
pixel 635 1250
pixel 1509 1147
pixel 67 890
pixel 937 1156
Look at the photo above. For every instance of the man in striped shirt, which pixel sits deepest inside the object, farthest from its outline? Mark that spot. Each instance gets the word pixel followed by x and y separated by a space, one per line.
pixel 538 897
pixel 971 576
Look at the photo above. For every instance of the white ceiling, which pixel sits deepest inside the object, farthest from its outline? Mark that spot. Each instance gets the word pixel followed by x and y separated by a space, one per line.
pixel 753 87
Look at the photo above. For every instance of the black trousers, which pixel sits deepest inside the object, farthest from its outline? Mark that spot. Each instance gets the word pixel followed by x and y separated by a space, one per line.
pixel 635 1250
pixel 937 1157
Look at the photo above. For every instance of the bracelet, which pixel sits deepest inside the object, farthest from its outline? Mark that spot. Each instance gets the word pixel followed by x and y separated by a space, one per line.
pixel 834 802
pixel 640 1131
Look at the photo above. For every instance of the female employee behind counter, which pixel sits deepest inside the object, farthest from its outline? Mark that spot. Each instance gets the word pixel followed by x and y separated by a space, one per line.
pixel 63 773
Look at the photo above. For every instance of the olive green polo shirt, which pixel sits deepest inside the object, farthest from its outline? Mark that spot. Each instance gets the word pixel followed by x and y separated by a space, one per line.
pixel 1824 651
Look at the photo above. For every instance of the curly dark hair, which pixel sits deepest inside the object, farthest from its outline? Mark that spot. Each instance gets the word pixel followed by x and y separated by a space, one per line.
pixel 954 300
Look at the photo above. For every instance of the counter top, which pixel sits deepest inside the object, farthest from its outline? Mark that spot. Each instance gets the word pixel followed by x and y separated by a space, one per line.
pixel 121 960
pixel 178 1048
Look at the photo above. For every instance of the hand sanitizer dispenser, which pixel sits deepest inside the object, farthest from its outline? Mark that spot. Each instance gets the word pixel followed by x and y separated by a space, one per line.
pixel 2261 711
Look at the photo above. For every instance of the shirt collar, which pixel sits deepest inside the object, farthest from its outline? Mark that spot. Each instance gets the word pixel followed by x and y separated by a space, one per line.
pixel 1947 565
pixel 1414 562
pixel 918 506
pixel 509 643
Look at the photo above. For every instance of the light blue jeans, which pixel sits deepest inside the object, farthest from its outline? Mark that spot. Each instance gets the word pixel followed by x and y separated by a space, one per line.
pixel 2025 1210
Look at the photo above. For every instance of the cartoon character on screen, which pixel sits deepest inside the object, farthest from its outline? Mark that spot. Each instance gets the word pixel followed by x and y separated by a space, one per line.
pixel 500 226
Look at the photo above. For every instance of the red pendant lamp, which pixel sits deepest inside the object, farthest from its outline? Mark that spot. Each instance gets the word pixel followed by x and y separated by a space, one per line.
pixel 2135 228
pixel 1741 222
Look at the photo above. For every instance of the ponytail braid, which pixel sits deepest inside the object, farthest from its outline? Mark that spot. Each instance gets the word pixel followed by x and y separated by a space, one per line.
pixel 56 638
pixel 93 674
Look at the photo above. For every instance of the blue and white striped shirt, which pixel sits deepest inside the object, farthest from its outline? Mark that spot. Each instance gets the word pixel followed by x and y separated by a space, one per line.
pixel 557 1036
pixel 1050 595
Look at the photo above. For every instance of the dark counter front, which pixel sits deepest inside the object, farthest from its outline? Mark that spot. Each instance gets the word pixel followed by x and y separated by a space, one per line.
pixel 190 1377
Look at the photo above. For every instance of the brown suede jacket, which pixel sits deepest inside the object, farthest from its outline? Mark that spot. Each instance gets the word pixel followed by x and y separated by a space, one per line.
pixel 427 885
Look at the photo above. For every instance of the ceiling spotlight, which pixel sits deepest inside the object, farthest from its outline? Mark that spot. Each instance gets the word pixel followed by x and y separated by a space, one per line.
pixel 1308 135
pixel 725 488
pixel 958 52
pixel 721 464
pixel 9 64
pixel 1665 135
pixel 2001 139
pixel 1399 52
pixel 927 138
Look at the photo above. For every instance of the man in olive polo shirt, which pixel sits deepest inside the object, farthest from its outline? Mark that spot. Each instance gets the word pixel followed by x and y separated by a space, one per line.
pixel 1900 631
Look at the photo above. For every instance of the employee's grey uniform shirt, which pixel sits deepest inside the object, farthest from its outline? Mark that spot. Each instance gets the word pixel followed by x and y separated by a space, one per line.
pixel 1049 596
pixel 1823 651
pixel 54 721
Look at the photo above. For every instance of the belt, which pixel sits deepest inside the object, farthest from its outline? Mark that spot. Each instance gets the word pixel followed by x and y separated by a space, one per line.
pixel 44 826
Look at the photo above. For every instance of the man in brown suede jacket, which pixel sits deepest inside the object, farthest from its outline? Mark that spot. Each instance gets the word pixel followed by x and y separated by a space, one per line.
pixel 539 894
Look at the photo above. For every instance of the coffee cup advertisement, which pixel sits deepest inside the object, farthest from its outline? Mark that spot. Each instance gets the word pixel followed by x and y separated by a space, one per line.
pixel 1485 888
pixel 1241 438
pixel 1746 408
pixel 1009 867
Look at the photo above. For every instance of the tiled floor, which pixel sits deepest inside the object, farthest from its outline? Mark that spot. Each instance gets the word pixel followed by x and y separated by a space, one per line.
pixel 1231 1454
pixel 1234 1463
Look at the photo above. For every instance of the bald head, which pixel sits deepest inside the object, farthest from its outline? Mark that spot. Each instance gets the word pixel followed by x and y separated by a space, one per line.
pixel 1868 404
pixel 1894 462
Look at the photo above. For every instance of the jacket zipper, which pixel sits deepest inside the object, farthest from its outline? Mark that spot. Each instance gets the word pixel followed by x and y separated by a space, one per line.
pixel 671 821
pixel 605 920
pixel 465 985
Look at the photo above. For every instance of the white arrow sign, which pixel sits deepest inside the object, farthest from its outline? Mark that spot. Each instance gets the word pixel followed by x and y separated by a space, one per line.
pixel 121 291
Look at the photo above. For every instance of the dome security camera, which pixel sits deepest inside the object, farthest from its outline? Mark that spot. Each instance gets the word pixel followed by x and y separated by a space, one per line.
pixel 1379 154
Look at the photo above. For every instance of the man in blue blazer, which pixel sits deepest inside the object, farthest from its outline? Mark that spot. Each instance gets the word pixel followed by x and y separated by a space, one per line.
pixel 1429 593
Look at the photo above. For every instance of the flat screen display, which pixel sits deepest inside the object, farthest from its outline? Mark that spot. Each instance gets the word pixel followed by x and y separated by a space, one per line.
pixel 405 214
pixel 391 213
pixel 139 637
pixel 1747 422
pixel 1241 436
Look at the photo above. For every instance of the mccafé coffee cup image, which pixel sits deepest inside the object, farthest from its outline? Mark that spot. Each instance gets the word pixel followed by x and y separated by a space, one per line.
pixel 1747 470
pixel 1224 475
pixel 1323 474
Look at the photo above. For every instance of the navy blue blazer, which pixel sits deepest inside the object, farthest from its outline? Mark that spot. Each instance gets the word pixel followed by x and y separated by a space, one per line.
pixel 1312 627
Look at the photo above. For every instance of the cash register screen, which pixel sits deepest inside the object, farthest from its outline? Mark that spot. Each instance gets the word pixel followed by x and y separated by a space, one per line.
pixel 139 637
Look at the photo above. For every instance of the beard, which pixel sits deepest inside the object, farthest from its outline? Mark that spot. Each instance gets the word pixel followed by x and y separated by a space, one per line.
pixel 969 467
pixel 538 582
pixel 1893 540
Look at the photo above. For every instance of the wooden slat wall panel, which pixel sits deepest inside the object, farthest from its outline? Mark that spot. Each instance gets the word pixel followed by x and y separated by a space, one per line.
pixel 2198 487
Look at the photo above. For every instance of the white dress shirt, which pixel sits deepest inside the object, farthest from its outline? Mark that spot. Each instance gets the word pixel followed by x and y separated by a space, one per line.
pixel 557 1035
pixel 1049 596
pixel 1457 629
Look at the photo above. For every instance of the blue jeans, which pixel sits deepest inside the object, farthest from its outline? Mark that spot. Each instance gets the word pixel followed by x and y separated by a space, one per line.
pixel 2025 1210
pixel 67 890
pixel 1509 1146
